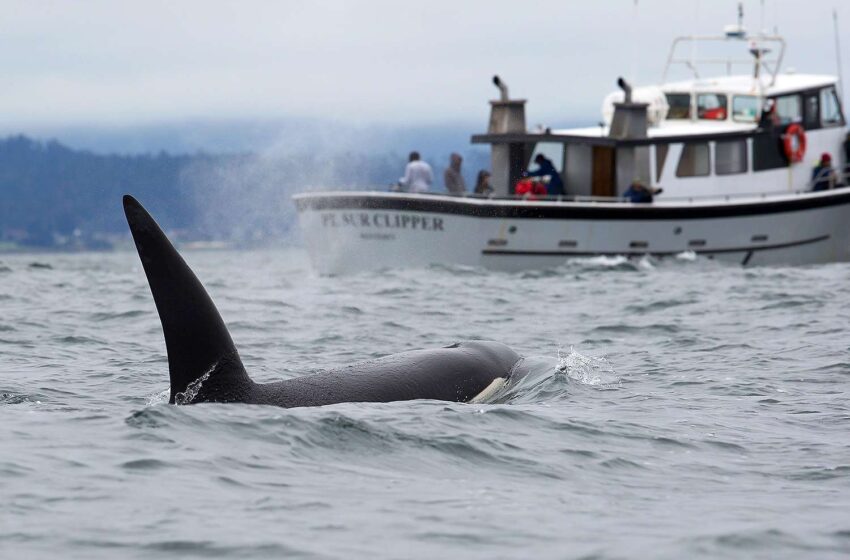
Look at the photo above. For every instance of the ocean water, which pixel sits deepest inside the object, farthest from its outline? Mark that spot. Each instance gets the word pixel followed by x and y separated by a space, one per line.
pixel 677 409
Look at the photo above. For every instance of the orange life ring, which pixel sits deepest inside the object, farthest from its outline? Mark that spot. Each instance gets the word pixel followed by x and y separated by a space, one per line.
pixel 794 142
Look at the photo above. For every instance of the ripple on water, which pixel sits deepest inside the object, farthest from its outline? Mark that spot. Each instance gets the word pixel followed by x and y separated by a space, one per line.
pixel 118 315
pixel 698 455
pixel 144 465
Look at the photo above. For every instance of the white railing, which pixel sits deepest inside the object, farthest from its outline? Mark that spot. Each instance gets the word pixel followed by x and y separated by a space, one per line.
pixel 591 199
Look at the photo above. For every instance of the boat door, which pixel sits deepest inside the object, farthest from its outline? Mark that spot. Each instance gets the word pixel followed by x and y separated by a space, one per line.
pixel 602 181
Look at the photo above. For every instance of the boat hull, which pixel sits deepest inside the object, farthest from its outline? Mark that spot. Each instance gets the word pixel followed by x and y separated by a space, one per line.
pixel 349 232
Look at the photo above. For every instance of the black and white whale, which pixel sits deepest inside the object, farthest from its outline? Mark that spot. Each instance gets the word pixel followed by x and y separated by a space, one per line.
pixel 205 367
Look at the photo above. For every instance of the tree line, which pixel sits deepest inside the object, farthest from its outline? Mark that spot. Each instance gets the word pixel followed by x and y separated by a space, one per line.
pixel 53 195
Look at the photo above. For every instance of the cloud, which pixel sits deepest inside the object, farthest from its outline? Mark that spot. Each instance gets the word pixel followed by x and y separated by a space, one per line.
pixel 367 61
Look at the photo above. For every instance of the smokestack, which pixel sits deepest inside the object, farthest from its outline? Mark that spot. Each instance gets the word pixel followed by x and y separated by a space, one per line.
pixel 627 89
pixel 503 88
pixel 630 119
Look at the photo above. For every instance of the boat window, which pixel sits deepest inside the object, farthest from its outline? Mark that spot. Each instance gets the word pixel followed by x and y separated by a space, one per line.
pixel 711 106
pixel 695 160
pixel 552 151
pixel 680 105
pixel 811 114
pixel 660 158
pixel 745 108
pixel 730 156
pixel 788 109
pixel 767 152
pixel 830 110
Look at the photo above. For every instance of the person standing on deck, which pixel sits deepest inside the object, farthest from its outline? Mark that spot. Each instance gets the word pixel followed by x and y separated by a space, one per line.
pixel 418 176
pixel 546 167
pixel 452 178
pixel 482 184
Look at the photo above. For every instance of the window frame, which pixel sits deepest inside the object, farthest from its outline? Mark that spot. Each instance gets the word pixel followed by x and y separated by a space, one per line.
pixel 661 151
pixel 746 159
pixel 796 95
pixel 830 90
pixel 755 118
pixel 808 97
pixel 724 105
pixel 690 106
pixel 685 147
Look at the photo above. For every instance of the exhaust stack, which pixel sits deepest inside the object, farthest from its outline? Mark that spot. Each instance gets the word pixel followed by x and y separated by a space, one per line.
pixel 630 120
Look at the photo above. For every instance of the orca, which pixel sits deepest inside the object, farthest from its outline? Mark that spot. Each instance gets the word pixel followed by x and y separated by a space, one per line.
pixel 204 365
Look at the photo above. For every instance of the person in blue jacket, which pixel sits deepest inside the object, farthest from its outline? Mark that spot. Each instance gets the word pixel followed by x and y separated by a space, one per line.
pixel 823 175
pixel 638 193
pixel 546 167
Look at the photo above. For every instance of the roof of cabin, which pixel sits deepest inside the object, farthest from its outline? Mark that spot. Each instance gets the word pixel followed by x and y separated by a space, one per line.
pixel 667 128
pixel 746 85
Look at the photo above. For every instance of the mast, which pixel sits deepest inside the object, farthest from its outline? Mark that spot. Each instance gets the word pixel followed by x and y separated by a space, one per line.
pixel 838 56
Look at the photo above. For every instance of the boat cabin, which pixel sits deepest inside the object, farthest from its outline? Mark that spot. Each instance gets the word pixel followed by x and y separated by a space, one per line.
pixel 731 135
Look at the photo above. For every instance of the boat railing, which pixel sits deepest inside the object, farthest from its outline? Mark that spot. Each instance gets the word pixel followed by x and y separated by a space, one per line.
pixel 842 180
pixel 732 197
pixel 771 64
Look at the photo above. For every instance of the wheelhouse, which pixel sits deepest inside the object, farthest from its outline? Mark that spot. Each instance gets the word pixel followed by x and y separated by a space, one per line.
pixel 720 136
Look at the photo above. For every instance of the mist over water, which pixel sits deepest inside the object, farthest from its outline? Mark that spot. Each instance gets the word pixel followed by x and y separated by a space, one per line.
pixel 676 409
pixel 247 197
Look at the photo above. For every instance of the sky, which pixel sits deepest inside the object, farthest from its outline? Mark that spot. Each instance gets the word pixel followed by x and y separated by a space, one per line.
pixel 120 63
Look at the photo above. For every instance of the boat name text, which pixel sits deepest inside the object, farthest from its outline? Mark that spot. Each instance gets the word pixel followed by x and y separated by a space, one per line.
pixel 382 220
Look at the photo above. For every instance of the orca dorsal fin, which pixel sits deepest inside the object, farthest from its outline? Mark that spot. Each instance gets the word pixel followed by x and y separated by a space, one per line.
pixel 196 338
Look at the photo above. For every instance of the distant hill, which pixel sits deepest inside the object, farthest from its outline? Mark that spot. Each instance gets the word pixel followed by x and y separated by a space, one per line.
pixel 54 196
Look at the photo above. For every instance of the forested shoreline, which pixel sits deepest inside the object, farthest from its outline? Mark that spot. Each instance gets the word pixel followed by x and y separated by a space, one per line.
pixel 54 196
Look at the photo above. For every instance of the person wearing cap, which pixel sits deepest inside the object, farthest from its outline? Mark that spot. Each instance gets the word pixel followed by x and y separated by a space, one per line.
pixel 638 193
pixel 823 175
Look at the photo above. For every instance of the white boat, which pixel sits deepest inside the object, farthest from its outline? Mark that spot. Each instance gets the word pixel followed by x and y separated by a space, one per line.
pixel 732 155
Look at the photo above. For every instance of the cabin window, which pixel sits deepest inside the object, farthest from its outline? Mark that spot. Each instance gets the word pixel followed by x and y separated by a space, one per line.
pixel 660 158
pixel 695 160
pixel 811 113
pixel 788 109
pixel 767 152
pixel 552 151
pixel 711 106
pixel 745 108
pixel 680 106
pixel 830 110
pixel 730 156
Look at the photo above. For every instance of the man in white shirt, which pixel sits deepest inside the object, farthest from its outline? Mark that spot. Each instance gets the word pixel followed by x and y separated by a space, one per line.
pixel 418 176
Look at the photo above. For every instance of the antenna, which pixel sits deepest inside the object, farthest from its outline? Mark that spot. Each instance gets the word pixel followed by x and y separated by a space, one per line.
pixel 761 18
pixel 775 17
pixel 635 42
pixel 838 55
pixel 693 62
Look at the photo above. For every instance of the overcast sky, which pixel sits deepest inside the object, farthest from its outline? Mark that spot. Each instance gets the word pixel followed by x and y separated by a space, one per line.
pixel 123 62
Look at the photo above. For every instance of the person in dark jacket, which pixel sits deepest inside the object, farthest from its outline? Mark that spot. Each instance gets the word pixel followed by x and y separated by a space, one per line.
pixel 546 167
pixel 638 193
pixel 823 175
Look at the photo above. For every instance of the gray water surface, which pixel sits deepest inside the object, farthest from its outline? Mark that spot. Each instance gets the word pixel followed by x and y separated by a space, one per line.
pixel 677 409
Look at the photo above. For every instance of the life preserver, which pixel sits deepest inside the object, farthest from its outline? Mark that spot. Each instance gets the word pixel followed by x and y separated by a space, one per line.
pixel 794 142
